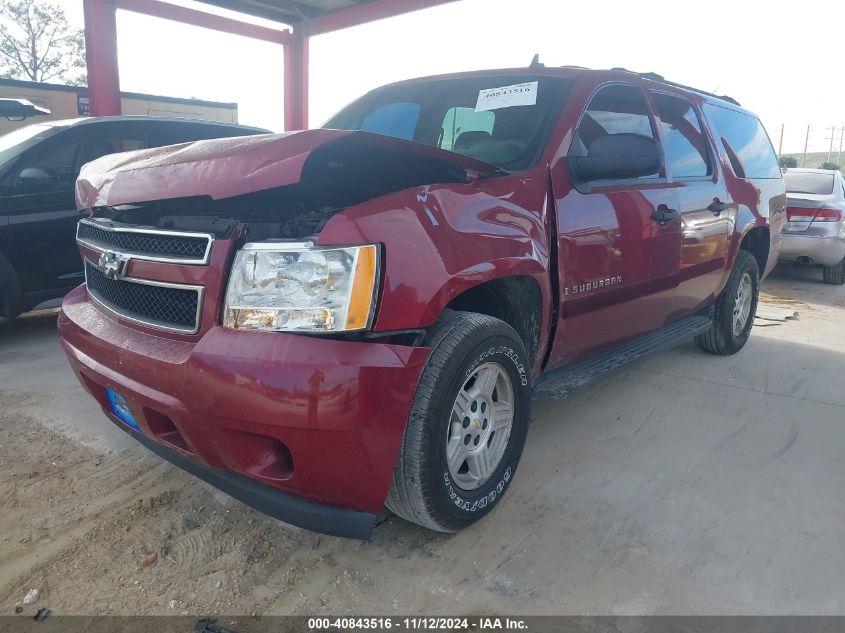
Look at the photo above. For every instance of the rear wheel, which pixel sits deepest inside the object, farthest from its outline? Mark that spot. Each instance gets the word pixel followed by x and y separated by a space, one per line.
pixel 835 274
pixel 9 308
pixel 735 309
pixel 467 425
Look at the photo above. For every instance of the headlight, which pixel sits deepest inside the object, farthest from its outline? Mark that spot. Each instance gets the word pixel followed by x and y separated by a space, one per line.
pixel 302 288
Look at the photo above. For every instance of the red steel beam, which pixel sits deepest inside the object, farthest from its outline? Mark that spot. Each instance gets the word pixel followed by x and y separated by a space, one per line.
pixel 363 13
pixel 206 20
pixel 296 82
pixel 101 44
pixel 101 57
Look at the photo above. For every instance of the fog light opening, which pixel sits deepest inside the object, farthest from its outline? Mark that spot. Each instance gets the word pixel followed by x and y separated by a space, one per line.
pixel 165 431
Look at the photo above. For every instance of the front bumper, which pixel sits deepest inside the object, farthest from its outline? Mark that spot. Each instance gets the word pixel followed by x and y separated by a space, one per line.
pixel 822 250
pixel 270 501
pixel 304 429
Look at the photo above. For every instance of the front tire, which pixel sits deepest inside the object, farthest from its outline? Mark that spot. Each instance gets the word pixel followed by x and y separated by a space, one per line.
pixel 735 309
pixel 467 425
pixel 835 274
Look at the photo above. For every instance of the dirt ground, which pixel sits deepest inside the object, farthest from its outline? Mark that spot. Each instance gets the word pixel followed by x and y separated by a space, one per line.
pixel 688 484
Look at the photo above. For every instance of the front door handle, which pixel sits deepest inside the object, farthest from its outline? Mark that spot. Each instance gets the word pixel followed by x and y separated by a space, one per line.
pixel 665 214
pixel 717 206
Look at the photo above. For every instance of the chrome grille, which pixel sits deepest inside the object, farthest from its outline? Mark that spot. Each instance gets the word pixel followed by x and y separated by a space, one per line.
pixel 164 306
pixel 149 244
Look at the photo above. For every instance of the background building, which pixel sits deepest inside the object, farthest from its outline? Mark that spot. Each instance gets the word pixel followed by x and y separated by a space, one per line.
pixel 69 102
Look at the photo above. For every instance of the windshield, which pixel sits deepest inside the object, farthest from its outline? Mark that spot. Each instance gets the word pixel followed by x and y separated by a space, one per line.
pixel 502 120
pixel 808 182
pixel 18 141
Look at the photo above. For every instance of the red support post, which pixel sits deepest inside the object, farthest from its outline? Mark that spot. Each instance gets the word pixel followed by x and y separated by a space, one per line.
pixel 101 57
pixel 296 81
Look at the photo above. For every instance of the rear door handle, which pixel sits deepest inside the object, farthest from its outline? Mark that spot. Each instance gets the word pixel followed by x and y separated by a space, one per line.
pixel 665 214
pixel 717 206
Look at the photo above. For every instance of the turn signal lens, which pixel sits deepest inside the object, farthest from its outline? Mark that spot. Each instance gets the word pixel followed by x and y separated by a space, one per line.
pixel 362 295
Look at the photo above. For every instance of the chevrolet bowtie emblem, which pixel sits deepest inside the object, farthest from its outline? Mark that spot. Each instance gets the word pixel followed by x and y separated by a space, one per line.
pixel 477 423
pixel 111 264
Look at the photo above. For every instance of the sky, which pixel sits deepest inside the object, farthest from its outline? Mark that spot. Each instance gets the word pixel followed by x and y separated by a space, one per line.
pixel 780 60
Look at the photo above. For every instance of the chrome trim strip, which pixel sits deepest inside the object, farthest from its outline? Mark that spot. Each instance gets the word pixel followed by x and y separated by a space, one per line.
pixel 160 325
pixel 283 246
pixel 143 256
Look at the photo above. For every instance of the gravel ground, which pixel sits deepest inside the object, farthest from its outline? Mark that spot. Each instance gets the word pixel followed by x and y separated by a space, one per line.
pixel 688 484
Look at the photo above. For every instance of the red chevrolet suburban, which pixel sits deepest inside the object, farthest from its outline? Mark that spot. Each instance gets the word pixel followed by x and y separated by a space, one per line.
pixel 325 322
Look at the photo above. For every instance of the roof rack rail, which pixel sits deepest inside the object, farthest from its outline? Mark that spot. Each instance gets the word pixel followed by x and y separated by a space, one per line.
pixel 656 77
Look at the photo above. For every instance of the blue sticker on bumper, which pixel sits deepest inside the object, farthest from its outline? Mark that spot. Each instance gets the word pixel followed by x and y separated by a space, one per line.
pixel 121 409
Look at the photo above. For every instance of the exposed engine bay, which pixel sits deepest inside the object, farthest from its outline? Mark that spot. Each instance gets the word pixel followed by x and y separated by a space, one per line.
pixel 335 176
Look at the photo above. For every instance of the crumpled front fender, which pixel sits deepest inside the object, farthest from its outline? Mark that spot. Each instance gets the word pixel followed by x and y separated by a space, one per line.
pixel 441 240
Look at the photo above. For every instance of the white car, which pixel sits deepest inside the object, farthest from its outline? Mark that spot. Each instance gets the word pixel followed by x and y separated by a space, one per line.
pixel 815 231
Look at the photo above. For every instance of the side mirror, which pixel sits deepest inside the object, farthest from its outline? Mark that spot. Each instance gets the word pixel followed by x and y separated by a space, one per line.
pixel 618 156
pixel 34 177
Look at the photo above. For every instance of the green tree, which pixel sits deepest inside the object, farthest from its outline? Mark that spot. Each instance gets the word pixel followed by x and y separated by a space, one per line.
pixel 829 166
pixel 788 161
pixel 38 44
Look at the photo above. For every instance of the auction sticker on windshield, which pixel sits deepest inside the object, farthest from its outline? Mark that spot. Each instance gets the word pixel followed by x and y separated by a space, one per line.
pixel 524 94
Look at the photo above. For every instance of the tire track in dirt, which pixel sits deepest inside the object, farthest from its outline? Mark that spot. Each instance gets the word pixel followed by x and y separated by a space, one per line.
pixel 79 525
pixel 53 491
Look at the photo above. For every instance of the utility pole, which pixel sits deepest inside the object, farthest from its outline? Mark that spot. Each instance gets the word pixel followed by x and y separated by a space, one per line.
pixel 841 138
pixel 806 142
pixel 780 143
pixel 830 151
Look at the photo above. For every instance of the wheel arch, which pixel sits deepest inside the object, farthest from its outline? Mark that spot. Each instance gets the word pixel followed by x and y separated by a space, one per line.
pixel 516 299
pixel 757 241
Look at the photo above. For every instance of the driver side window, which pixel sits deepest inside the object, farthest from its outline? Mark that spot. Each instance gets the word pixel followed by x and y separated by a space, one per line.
pixel 48 171
pixel 614 109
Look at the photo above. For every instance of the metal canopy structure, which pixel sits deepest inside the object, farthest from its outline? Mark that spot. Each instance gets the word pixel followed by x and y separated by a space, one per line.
pixel 288 11
pixel 304 19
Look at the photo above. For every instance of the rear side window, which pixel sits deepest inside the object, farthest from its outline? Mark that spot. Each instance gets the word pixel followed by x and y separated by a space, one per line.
pixel 684 144
pixel 809 182
pixel 746 142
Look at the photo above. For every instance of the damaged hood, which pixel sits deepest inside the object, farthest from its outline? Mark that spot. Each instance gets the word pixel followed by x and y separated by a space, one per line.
pixel 228 167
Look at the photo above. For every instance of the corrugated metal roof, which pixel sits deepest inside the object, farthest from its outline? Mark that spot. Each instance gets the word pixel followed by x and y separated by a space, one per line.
pixel 287 11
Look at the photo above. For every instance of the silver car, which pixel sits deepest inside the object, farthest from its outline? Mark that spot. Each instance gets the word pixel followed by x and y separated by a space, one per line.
pixel 815 231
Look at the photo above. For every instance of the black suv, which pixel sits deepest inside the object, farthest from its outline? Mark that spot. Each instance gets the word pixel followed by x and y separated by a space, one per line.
pixel 39 258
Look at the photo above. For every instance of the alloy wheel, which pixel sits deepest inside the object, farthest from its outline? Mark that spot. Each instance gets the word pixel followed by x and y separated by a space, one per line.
pixel 742 304
pixel 480 426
